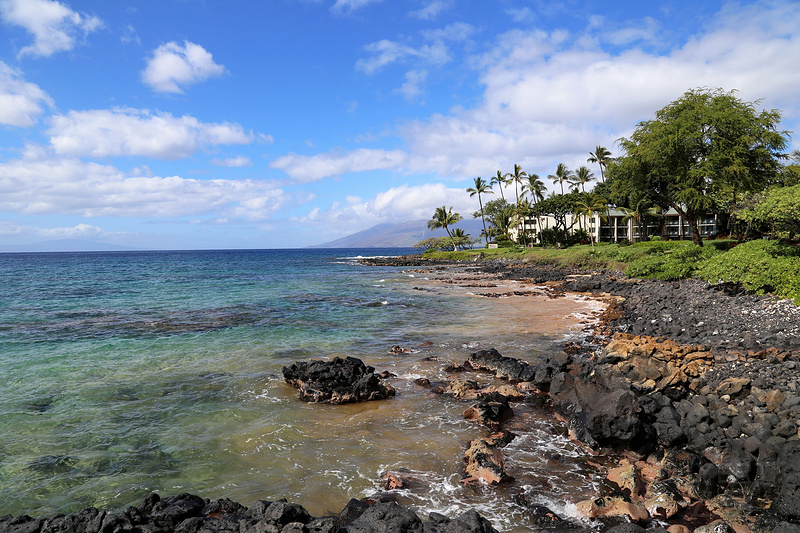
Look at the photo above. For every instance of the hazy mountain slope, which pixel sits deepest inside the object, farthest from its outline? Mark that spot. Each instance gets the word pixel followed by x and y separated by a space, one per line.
pixel 400 235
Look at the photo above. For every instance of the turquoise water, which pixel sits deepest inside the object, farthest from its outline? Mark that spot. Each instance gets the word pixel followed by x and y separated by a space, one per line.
pixel 126 373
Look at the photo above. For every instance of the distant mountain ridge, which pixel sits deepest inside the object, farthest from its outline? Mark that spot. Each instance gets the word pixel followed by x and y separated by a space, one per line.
pixel 398 235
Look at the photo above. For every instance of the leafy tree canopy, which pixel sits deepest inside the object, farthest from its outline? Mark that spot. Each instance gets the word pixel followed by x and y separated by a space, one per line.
pixel 707 144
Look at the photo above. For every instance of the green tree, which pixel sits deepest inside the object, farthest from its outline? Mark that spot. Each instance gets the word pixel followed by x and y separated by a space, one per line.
pixel 500 180
pixel 481 187
pixel 443 218
pixel 705 143
pixel 563 173
pixel 463 239
pixel 779 210
pixel 602 157
pixel 517 176
pixel 581 177
pixel 589 206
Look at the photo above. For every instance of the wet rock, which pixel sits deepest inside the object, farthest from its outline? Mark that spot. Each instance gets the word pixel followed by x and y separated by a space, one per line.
pixel 385 517
pixel 485 463
pixel 491 410
pixel 612 506
pixel 626 528
pixel 664 499
pixel 627 479
pixel 598 416
pixel 707 482
pixel 337 381
pixel 503 367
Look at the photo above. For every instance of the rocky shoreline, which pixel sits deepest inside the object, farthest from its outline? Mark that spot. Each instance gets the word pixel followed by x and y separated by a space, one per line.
pixel 696 387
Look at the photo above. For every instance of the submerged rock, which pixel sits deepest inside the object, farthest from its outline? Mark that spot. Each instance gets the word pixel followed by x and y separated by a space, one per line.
pixel 337 381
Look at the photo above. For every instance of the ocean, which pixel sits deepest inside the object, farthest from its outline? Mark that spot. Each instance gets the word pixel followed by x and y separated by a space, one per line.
pixel 126 373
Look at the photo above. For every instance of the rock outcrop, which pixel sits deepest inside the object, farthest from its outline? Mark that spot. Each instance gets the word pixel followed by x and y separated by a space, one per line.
pixel 337 381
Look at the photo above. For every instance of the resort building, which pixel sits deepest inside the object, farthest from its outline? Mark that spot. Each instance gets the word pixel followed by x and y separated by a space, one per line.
pixel 615 228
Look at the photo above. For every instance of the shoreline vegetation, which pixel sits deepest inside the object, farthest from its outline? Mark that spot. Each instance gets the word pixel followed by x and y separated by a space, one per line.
pixel 696 387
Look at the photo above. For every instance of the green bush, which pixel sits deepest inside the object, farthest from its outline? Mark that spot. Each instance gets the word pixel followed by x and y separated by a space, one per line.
pixel 668 260
pixel 760 266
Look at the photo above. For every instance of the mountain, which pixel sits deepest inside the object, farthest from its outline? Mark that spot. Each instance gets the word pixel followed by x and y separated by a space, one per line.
pixel 400 235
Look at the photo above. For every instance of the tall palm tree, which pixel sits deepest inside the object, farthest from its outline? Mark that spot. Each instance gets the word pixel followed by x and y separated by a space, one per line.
pixel 562 174
pixel 442 218
pixel 516 177
pixel 536 187
pixel 500 180
pixel 601 156
pixel 481 187
pixel 589 207
pixel 581 177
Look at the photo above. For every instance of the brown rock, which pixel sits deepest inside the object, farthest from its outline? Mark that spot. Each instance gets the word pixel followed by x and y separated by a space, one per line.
pixel 485 463
pixel 463 388
pixel 627 479
pixel 774 400
pixel 608 506
pixel 734 387
pixel 678 528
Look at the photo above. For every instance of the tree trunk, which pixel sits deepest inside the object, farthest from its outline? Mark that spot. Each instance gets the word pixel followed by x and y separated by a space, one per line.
pixel 691 218
pixel 485 236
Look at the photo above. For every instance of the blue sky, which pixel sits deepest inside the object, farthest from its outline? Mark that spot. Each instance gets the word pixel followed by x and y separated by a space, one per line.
pixel 167 124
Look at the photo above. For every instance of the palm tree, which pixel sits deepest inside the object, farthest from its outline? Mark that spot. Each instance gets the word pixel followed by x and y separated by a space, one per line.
pixel 592 205
pixel 581 177
pixel 537 188
pixel 562 174
pixel 501 180
pixel 601 156
pixel 481 187
pixel 516 177
pixel 461 238
pixel 442 218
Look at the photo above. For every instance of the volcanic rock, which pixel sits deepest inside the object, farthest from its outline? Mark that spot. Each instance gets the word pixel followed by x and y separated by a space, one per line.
pixel 337 381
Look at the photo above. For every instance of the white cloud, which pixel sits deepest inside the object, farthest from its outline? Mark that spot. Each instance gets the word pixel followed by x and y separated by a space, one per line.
pixel 386 52
pixel 348 6
pixel 432 9
pixel 552 97
pixel 238 161
pixel 401 203
pixel 412 88
pixel 73 187
pixel 104 133
pixel 173 66
pixel 20 101
pixel 314 168
pixel 54 26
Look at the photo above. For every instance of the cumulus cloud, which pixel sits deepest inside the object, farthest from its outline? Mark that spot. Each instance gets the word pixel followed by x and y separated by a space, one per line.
pixel 54 26
pixel 73 187
pixel 234 162
pixel 21 102
pixel 432 9
pixel 348 6
pixel 173 66
pixel 314 168
pixel 552 97
pixel 401 203
pixel 104 133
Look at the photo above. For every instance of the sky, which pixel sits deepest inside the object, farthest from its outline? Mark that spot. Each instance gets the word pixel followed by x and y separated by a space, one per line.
pixel 204 124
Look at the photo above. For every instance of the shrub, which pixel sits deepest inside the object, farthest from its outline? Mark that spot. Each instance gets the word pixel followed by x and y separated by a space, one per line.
pixel 759 266
pixel 668 261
